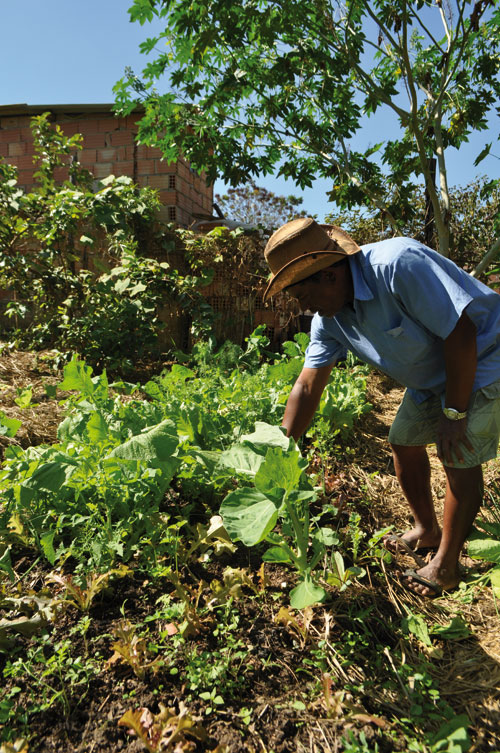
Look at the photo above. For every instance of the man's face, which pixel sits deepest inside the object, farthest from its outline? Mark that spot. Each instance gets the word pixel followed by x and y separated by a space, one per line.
pixel 325 296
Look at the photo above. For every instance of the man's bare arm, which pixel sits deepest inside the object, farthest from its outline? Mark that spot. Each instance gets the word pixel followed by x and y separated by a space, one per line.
pixel 304 399
pixel 460 354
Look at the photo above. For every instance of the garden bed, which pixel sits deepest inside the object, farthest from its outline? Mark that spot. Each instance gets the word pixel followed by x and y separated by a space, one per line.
pixel 374 668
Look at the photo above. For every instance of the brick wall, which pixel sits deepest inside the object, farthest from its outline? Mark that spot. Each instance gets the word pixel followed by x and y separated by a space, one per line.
pixel 109 147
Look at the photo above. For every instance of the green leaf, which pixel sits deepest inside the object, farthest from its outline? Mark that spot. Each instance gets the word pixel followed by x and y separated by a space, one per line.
pixel 50 475
pixel 280 470
pixel 50 390
pixel 452 736
pixel 416 625
pixel 482 154
pixel 155 445
pixel 122 285
pixel 6 565
pixel 306 594
pixel 242 459
pixel 139 287
pixel 266 435
pixel 77 376
pixel 484 549
pixel 276 554
pixel 455 630
pixel 337 575
pixel 495 581
pixel 326 536
pixel 47 543
pixel 97 427
pixel 248 515
pixel 8 426
pixel 23 400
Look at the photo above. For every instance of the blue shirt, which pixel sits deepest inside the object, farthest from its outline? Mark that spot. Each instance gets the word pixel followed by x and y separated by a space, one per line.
pixel 407 300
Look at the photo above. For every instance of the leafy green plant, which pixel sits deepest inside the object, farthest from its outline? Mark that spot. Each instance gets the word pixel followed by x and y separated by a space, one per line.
pixel 280 491
pixel 57 679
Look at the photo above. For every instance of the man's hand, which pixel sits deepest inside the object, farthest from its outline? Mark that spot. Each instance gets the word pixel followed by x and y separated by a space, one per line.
pixel 450 436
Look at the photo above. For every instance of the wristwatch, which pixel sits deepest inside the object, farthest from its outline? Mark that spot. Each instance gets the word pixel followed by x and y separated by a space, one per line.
pixel 453 414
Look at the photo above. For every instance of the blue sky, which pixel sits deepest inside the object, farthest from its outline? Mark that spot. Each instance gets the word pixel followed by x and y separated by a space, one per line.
pixel 64 52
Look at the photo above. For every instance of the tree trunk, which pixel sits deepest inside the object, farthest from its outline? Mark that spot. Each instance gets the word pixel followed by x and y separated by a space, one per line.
pixel 429 224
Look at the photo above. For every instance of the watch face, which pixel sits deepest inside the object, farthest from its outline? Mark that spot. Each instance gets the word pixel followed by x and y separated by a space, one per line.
pixel 453 415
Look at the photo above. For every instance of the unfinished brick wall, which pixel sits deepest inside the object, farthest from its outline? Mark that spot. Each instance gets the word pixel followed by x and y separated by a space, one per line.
pixel 109 148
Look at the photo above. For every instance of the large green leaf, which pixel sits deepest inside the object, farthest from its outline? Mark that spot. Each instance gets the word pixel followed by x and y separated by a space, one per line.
pixel 495 581
pixel 280 470
pixel 97 427
pixel 267 435
pixel 47 475
pixel 242 459
pixel 248 515
pixel 276 554
pixel 484 549
pixel 306 593
pixel 157 445
pixel 77 376
pixel 8 426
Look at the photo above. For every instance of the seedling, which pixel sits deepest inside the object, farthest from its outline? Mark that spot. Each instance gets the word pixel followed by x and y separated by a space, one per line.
pixel 82 597
pixel 133 650
pixel 165 731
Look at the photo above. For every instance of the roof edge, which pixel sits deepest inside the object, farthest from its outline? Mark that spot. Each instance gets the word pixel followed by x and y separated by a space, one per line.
pixel 25 109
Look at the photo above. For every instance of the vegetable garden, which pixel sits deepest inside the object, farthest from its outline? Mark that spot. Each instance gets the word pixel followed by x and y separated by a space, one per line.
pixel 177 575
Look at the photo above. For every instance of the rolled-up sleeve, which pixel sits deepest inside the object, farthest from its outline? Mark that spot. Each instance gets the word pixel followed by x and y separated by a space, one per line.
pixel 323 348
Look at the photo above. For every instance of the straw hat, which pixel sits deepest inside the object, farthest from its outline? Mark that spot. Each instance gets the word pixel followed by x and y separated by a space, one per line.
pixel 302 247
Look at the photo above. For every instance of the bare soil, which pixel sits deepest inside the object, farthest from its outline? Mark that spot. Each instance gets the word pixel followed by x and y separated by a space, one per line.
pixel 295 705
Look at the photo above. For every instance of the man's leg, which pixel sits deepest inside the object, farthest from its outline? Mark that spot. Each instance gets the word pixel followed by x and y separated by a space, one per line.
pixel 414 475
pixel 464 494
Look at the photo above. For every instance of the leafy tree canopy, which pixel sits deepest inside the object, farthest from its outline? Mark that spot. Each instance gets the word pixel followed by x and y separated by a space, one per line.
pixel 258 87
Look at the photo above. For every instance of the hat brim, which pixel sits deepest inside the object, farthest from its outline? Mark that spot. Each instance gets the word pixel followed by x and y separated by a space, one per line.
pixel 300 268
pixel 312 262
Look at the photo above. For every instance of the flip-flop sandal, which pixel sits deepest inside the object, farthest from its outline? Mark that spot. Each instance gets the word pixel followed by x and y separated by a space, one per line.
pixel 403 547
pixel 435 587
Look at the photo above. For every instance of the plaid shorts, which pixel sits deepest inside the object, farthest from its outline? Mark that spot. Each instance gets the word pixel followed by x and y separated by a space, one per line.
pixel 415 424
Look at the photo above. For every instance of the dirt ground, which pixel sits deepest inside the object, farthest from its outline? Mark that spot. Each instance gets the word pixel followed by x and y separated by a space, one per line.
pixel 274 682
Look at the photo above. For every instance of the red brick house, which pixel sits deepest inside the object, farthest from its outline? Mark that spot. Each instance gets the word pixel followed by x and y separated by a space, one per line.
pixel 109 147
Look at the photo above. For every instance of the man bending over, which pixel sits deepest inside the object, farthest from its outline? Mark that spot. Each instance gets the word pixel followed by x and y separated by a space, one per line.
pixel 421 319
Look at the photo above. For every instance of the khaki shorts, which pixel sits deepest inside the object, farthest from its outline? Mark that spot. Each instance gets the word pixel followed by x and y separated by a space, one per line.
pixel 415 424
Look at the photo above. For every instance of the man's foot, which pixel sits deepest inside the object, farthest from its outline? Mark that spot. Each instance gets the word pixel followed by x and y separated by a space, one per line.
pixel 431 580
pixel 417 540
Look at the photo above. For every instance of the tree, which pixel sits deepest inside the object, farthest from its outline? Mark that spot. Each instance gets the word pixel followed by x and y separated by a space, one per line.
pixel 255 205
pixel 474 222
pixel 257 87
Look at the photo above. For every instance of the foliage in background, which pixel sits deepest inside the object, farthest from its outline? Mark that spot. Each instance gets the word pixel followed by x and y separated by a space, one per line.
pixel 256 88
pixel 474 224
pixel 258 207
pixel 74 259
